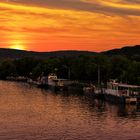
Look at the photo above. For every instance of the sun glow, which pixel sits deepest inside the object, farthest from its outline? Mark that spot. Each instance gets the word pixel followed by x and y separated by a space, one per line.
pixel 18 46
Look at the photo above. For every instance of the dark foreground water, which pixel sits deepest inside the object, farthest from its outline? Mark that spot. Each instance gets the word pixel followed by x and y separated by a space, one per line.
pixel 28 113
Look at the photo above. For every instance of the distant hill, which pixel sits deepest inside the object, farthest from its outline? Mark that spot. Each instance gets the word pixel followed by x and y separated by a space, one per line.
pixel 132 52
pixel 16 54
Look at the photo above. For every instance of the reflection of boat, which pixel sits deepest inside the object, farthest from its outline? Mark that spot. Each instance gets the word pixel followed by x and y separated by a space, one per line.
pixel 130 109
pixel 122 93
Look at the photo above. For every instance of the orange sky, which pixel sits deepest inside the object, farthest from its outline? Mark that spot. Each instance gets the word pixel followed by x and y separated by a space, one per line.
pixel 93 25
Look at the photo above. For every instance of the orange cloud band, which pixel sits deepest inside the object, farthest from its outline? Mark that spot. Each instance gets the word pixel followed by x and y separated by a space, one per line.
pixel 46 29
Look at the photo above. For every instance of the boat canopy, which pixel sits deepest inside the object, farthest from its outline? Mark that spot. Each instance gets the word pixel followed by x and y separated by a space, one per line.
pixel 125 85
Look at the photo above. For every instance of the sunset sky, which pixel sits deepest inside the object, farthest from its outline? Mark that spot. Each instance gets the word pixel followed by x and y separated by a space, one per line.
pixel 49 25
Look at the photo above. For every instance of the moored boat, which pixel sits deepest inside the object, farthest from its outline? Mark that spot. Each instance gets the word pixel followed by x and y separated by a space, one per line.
pixel 93 91
pixel 122 93
pixel 57 84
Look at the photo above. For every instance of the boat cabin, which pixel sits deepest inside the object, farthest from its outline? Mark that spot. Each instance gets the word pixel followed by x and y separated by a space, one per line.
pixel 53 80
pixel 120 89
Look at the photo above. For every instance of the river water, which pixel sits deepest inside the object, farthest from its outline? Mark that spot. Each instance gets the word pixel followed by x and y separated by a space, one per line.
pixel 29 113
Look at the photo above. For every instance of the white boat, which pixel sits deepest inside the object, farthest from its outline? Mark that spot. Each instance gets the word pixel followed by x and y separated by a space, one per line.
pixel 120 92
pixel 58 84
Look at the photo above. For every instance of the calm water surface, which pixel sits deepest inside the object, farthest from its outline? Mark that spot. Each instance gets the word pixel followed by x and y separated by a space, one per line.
pixel 28 113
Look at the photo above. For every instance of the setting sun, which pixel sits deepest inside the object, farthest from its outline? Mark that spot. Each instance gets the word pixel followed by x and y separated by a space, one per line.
pixel 18 46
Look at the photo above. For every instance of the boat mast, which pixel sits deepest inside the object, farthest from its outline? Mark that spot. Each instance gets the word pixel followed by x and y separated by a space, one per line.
pixel 98 75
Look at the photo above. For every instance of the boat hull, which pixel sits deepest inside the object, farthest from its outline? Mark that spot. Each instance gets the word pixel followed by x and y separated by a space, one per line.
pixel 45 86
pixel 132 100
pixel 114 99
pixel 94 95
pixel 58 88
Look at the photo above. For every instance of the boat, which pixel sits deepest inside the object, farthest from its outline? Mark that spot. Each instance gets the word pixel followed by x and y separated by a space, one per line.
pixel 122 93
pixel 57 84
pixel 93 91
pixel 42 82
pixel 50 82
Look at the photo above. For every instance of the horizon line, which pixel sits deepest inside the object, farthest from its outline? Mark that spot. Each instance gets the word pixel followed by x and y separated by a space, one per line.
pixel 69 50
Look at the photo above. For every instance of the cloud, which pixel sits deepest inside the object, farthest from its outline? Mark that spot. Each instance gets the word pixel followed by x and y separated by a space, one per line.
pixel 121 7
pixel 67 28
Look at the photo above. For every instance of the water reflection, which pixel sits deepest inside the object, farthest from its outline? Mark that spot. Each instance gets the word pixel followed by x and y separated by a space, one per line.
pixel 131 111
pixel 28 113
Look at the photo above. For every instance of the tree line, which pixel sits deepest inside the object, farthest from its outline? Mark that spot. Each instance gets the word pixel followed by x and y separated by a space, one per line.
pixel 84 68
